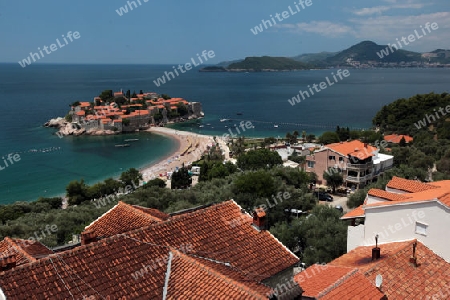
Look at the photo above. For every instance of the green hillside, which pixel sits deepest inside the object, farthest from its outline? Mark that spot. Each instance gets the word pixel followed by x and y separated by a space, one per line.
pixel 268 63
pixel 367 51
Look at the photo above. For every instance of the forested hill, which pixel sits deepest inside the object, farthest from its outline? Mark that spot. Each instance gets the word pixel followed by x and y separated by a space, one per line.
pixel 420 113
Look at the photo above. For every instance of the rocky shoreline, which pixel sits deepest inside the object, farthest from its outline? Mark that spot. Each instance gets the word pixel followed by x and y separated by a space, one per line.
pixel 67 128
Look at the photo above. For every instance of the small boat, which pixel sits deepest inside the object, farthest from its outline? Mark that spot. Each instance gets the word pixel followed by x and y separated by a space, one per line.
pixel 122 145
pixel 275 125
pixel 223 120
pixel 131 140
pixel 201 126
pixel 239 113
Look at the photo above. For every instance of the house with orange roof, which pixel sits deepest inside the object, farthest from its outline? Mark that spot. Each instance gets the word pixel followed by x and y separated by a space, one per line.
pixel 406 209
pixel 397 270
pixel 358 162
pixel 396 138
pixel 137 253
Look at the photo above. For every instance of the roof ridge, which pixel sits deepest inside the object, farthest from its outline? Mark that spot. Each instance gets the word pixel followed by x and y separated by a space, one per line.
pixel 216 274
pixel 131 207
pixel 338 282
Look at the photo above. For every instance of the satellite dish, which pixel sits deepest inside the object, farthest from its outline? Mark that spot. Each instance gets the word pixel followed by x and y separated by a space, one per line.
pixel 378 280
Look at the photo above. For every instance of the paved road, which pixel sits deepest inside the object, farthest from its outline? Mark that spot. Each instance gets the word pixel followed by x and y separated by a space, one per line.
pixel 338 200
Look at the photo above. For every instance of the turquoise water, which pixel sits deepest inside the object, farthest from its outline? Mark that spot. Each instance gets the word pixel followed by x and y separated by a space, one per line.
pixel 32 95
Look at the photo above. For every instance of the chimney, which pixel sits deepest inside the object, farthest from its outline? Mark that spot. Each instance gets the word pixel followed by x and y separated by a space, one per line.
pixel 413 258
pixel 259 219
pixel 8 262
pixel 88 237
pixel 376 252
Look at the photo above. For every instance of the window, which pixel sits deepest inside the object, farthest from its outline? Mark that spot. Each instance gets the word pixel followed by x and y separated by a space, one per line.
pixel 311 164
pixel 341 159
pixel 421 228
pixel 332 157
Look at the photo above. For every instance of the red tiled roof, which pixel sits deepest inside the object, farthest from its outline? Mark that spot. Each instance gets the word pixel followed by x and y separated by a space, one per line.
pixel 387 195
pixel 108 268
pixel 353 148
pixel 355 287
pixel 395 138
pixel 153 212
pixel 317 278
pixel 121 218
pixel 356 213
pixel 401 280
pixel 225 262
pixel 335 282
pixel 85 104
pixel 25 250
pixel 407 185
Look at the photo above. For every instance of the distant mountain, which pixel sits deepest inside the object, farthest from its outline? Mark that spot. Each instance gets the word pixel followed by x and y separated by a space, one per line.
pixel 313 57
pixel 369 51
pixel 439 55
pixel 362 55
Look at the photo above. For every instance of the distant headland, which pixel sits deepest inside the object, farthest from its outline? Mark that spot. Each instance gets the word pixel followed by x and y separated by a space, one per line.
pixel 119 112
pixel 364 55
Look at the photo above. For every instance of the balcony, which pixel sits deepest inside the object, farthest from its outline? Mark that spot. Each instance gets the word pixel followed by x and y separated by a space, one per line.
pixel 359 179
pixel 360 166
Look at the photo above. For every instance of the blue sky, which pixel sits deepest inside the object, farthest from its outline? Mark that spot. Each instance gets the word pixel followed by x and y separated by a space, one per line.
pixel 167 31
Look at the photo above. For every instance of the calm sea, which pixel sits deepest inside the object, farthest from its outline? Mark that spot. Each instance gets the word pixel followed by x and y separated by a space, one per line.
pixel 32 95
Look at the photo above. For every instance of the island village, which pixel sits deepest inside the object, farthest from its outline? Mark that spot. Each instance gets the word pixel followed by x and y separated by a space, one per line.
pixel 119 112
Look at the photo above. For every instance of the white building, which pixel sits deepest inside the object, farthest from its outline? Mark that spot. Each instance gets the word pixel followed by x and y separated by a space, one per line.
pixel 407 209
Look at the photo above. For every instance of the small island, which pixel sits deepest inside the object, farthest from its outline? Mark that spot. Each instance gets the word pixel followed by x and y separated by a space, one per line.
pixel 119 112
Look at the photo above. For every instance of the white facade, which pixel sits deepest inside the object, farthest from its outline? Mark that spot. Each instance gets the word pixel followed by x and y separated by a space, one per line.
pixel 426 221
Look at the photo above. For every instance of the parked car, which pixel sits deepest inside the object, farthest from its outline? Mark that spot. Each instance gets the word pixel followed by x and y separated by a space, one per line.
pixel 339 208
pixel 323 196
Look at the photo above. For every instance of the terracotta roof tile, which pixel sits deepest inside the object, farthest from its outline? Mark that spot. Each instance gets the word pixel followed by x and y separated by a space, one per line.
pixel 24 250
pixel 121 218
pixel 317 278
pixel 355 287
pixel 407 185
pixel 224 262
pixel 395 138
pixel 356 213
pixel 353 148
pixel 401 279
pixel 387 195
pixel 153 212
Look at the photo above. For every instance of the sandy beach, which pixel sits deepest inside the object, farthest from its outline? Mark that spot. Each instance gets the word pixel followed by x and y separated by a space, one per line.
pixel 190 148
